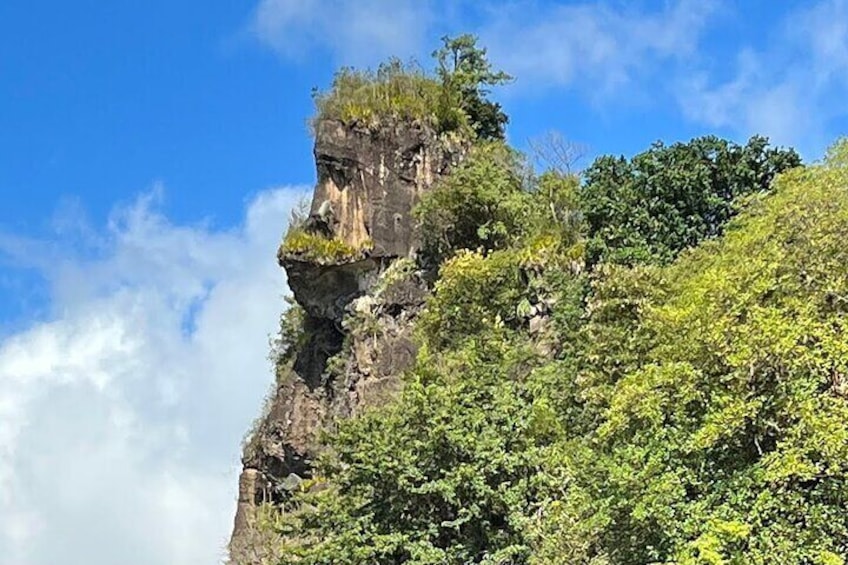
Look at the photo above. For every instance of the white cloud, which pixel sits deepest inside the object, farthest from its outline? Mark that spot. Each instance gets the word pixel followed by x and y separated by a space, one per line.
pixel 121 417
pixel 353 31
pixel 790 90
pixel 593 46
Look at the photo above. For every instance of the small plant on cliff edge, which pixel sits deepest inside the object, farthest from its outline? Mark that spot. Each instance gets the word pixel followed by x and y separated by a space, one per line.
pixel 291 334
pixel 305 246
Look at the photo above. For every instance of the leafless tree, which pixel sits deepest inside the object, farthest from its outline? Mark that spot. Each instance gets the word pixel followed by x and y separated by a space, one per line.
pixel 552 150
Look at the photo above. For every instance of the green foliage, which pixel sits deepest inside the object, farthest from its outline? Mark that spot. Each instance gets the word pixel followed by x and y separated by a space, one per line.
pixel 454 100
pixel 479 294
pixel 465 73
pixel 474 294
pixel 719 421
pixel 668 199
pixel 396 91
pixel 306 246
pixel 291 335
pixel 400 270
pixel 494 201
pixel 452 471
pixel 557 209
pixel 482 204
pixel 444 476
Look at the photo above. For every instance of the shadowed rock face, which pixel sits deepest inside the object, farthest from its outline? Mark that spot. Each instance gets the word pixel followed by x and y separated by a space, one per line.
pixel 369 181
pixel 324 291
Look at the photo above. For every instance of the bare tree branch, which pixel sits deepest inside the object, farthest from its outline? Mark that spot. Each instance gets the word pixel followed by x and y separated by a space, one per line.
pixel 553 151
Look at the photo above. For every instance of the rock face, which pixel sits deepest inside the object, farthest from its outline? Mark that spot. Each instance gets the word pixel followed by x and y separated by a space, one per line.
pixel 359 313
pixel 373 177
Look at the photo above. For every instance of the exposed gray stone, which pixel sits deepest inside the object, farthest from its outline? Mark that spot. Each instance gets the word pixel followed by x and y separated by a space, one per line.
pixel 368 184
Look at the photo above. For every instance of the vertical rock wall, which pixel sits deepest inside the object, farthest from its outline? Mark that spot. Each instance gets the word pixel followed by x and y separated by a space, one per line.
pixel 368 182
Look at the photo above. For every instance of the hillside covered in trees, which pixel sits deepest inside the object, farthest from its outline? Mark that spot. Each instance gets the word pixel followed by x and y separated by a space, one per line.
pixel 644 362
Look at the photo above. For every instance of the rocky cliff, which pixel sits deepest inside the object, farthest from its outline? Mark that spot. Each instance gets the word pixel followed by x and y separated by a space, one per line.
pixel 358 305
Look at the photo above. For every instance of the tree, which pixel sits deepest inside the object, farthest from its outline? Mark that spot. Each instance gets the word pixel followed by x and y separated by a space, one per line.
pixel 721 428
pixel 556 153
pixel 667 199
pixel 466 73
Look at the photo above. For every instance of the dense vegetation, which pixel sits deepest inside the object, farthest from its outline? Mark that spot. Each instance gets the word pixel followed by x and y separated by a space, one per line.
pixel 451 99
pixel 666 199
pixel 687 401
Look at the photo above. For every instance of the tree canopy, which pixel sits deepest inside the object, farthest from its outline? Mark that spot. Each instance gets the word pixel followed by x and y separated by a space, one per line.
pixel 669 198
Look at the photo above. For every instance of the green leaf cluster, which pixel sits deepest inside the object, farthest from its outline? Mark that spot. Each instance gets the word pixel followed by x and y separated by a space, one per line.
pixel 466 75
pixel 667 199
pixel 493 200
pixel 482 204
pixel 302 245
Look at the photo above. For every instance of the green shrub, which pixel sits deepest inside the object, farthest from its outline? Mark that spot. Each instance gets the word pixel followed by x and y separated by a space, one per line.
pixel 290 335
pixel 302 245
pixel 474 294
pixel 482 204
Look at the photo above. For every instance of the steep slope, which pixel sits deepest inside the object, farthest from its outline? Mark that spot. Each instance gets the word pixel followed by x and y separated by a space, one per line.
pixel 713 391
pixel 355 293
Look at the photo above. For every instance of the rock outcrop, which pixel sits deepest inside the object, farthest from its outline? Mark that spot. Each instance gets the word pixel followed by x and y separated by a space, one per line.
pixel 358 310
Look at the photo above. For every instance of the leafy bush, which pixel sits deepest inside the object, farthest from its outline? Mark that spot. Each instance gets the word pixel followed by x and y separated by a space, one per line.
pixel 306 246
pixel 474 294
pixel 482 204
pixel 291 333
pixel 557 209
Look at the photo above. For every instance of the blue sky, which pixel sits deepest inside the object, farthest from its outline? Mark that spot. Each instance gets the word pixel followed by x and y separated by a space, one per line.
pixel 150 153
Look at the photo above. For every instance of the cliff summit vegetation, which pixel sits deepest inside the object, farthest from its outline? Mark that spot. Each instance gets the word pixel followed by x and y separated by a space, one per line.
pixel 643 363
pixel 453 98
